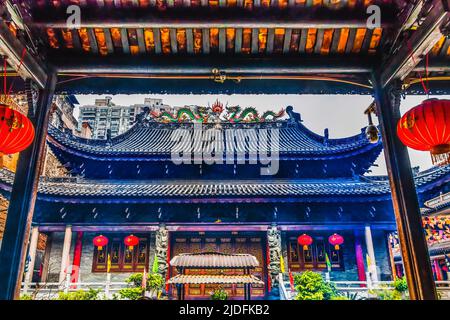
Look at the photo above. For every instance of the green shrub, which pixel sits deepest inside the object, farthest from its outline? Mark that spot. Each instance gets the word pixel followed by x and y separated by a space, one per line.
pixel 311 286
pixel 131 293
pixel 353 296
pixel 154 281
pixel 91 294
pixel 339 298
pixel 401 285
pixel 26 297
pixel 386 294
pixel 135 279
pixel 219 294
pixel 400 291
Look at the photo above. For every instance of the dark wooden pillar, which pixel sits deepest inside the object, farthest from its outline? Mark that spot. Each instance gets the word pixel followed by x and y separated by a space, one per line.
pixel 413 245
pixel 23 197
pixel 359 256
pixel 179 291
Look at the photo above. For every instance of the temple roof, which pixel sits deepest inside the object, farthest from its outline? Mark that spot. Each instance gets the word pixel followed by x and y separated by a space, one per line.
pixel 153 140
pixel 214 279
pixel 76 190
pixel 438 205
pixel 207 260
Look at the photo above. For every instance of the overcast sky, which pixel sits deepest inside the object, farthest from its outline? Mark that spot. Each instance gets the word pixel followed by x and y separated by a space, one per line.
pixel 343 115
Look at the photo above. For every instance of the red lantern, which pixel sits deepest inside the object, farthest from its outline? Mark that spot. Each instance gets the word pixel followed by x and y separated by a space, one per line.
pixel 100 242
pixel 16 130
pixel 305 241
pixel 131 241
pixel 427 128
pixel 336 240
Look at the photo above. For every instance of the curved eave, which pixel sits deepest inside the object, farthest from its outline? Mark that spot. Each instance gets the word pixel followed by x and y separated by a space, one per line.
pixel 289 192
pixel 349 147
pixel 214 200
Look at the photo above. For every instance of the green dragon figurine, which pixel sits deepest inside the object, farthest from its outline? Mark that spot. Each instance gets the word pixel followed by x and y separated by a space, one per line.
pixel 201 114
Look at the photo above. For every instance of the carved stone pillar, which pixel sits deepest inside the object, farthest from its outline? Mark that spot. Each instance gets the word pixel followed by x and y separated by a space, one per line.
pixel 274 251
pixel 162 245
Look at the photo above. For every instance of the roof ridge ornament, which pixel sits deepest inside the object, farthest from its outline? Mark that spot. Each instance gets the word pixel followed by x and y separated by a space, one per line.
pixel 293 116
pixel 216 113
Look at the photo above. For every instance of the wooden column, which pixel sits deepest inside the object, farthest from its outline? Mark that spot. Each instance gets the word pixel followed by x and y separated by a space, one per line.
pixel 359 256
pixel 245 286
pixel 32 253
pixel 77 258
pixel 413 246
pixel 371 252
pixel 65 257
pixel 23 198
pixel 437 269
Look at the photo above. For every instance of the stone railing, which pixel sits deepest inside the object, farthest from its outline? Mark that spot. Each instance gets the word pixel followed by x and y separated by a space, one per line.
pixel 359 289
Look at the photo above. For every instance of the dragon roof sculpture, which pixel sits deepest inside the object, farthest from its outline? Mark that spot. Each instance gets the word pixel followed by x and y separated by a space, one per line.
pixel 215 113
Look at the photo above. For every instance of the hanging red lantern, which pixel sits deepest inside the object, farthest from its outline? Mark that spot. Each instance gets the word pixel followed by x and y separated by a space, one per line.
pixel 100 242
pixel 305 241
pixel 336 240
pixel 131 241
pixel 426 128
pixel 16 130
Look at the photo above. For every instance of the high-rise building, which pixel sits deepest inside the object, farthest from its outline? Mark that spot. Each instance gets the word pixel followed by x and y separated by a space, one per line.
pixel 105 116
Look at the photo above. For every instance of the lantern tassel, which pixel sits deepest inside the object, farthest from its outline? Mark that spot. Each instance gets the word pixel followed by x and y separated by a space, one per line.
pixel 336 247
pixel 305 247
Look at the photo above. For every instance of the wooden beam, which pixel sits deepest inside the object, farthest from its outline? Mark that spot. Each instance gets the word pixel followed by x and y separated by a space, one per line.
pixel 413 245
pixel 11 47
pixel 187 17
pixel 185 65
pixel 23 198
pixel 414 49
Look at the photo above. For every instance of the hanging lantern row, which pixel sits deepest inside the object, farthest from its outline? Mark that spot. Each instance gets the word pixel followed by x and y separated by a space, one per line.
pixel 426 127
pixel 16 130
pixel 335 239
pixel 102 241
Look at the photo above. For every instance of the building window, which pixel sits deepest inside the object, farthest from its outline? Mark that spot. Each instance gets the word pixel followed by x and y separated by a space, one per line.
pixel 315 257
pixel 122 258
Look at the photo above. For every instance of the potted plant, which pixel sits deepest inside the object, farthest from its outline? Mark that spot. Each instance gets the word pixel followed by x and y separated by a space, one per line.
pixel 219 294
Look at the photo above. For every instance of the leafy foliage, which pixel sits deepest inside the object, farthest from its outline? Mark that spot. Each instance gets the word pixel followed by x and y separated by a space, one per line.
pixel 386 294
pixel 219 294
pixel 400 291
pixel 131 293
pixel 339 298
pixel 26 297
pixel 135 279
pixel 401 285
pixel 154 281
pixel 311 286
pixel 91 294
pixel 354 296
